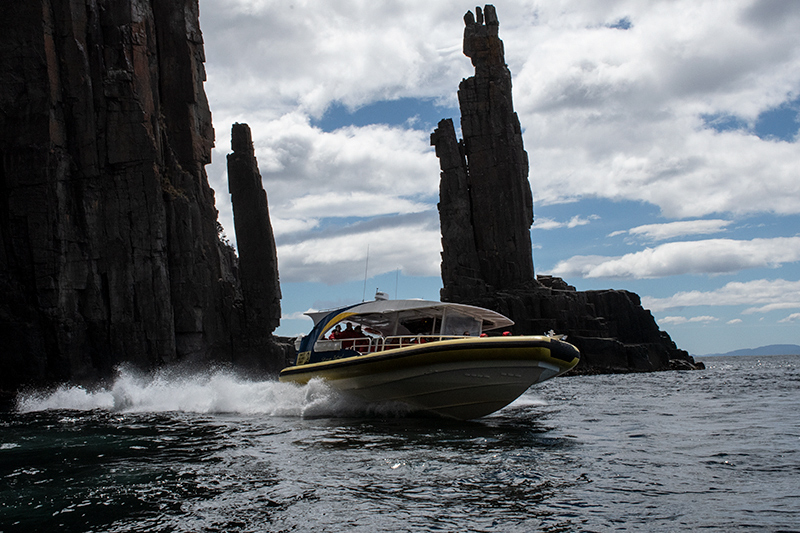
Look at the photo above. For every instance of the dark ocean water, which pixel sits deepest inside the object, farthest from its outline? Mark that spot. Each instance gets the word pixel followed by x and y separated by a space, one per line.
pixel 713 450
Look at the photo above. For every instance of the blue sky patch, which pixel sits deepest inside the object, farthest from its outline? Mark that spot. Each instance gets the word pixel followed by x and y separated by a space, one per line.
pixel 780 123
pixel 622 24
pixel 419 113
pixel 721 122
pixel 598 218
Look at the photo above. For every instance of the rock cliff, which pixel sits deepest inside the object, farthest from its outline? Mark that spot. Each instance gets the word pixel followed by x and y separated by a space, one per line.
pixel 109 245
pixel 486 211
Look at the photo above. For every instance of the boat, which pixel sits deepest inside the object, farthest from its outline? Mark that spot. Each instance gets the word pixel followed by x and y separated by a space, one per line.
pixel 439 358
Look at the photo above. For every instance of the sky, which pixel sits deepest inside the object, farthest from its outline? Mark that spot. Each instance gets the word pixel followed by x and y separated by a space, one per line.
pixel 662 138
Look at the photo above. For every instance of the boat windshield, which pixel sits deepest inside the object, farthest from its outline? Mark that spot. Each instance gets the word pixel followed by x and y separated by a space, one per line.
pixel 455 323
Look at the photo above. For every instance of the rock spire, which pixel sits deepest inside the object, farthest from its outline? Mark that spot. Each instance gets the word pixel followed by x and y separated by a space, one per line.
pixel 486 207
pixel 258 257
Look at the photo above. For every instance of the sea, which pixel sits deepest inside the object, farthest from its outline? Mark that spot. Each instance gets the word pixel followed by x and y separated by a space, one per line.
pixel 708 450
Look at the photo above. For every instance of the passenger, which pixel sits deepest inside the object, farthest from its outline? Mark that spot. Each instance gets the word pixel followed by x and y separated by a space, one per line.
pixel 336 333
pixel 362 340
pixel 349 334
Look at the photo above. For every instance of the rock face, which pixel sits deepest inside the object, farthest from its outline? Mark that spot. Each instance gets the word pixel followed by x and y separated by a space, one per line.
pixel 611 328
pixel 109 246
pixel 486 205
pixel 486 211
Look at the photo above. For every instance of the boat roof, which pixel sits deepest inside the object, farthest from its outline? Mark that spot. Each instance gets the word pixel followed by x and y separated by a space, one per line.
pixel 377 313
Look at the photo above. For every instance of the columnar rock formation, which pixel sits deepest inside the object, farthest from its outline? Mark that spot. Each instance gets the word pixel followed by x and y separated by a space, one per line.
pixel 258 257
pixel 493 216
pixel 486 211
pixel 109 247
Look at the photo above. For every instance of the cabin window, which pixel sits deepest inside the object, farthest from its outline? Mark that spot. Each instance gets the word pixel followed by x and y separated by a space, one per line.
pixel 420 326
pixel 455 323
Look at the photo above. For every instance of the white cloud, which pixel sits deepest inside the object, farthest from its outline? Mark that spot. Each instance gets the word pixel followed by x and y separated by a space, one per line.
pixel 618 114
pixel 549 223
pixel 298 160
pixel 342 256
pixel 544 223
pixel 713 256
pixel 677 320
pixel 793 303
pixel 350 204
pixel 266 53
pixel 794 317
pixel 283 226
pixel 734 321
pixel 297 315
pixel 760 291
pixel 311 175
pixel 671 230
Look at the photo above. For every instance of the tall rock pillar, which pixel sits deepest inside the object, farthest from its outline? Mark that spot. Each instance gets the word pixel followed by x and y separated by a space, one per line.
pixel 258 257
pixel 486 202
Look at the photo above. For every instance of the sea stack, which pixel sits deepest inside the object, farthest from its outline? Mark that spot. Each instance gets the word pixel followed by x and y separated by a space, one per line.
pixel 486 211
pixel 255 241
pixel 486 205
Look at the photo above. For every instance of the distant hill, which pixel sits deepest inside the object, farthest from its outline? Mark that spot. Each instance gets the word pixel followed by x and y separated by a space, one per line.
pixel 772 349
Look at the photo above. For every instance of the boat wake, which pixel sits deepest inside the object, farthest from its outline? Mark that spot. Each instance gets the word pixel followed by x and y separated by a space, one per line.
pixel 212 392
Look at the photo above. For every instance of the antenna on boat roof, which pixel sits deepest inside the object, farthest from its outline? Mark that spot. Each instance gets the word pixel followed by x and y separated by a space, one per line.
pixel 366 267
pixel 396 280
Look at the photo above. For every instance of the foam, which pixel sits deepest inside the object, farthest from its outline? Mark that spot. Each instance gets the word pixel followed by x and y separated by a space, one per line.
pixel 211 392
pixel 528 400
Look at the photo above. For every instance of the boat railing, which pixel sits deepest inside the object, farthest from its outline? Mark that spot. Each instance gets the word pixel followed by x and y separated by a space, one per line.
pixel 380 344
pixel 400 341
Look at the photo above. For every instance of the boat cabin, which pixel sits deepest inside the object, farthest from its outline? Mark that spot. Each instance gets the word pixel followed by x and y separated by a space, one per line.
pixel 389 324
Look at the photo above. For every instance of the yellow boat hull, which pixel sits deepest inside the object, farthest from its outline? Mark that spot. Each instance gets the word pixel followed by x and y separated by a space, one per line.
pixel 459 378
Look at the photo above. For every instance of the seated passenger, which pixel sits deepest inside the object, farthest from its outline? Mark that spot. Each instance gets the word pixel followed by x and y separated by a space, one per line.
pixel 362 340
pixel 349 334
